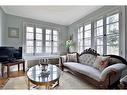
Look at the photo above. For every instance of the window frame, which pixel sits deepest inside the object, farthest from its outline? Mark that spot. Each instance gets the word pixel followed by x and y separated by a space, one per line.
pixel 26 24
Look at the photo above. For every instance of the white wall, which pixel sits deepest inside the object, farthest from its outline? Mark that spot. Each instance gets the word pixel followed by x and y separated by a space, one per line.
pixel 17 22
pixel 2 25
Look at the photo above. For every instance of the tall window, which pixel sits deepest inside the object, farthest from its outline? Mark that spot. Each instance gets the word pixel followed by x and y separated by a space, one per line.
pixel 104 35
pixel 87 36
pixel 38 43
pixel 80 39
pixel 38 40
pixel 98 36
pixel 29 39
pixel 84 37
pixel 51 41
pixel 112 33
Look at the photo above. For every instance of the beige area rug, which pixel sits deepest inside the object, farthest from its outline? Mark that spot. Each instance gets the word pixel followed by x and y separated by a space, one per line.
pixel 67 81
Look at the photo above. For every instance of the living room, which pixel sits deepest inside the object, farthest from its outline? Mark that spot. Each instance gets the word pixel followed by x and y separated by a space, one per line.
pixel 46 34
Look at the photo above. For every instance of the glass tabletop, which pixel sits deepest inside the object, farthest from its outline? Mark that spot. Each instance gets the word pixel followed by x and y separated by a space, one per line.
pixel 35 74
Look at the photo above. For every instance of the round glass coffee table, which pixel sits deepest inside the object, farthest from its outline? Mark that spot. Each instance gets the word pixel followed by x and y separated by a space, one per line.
pixel 50 79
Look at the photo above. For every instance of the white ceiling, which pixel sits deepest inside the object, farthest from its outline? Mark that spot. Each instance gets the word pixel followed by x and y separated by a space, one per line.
pixel 64 15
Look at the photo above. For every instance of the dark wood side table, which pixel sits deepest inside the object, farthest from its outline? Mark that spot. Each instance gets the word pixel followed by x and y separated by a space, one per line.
pixel 8 64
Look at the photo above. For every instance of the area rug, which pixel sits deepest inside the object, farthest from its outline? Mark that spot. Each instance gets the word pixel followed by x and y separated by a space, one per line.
pixel 67 81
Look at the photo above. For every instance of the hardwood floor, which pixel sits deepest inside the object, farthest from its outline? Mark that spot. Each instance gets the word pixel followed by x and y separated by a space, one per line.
pixel 3 80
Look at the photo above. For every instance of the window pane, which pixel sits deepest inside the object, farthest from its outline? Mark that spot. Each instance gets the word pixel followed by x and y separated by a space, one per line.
pixel 48 43
pixel 55 38
pixel 100 50
pixel 99 41
pixel 112 18
pixel 113 50
pixel 87 42
pixel 29 29
pixel 39 36
pixel 87 27
pixel 29 50
pixel 99 31
pixel 87 34
pixel 80 43
pixel 113 28
pixel 55 32
pixel 55 49
pixel 81 29
pixel 48 31
pixel 38 43
pixel 38 30
pixel 38 49
pixel 48 37
pixel 80 49
pixel 80 35
pixel 112 40
pixel 29 43
pixel 87 47
pixel 29 36
pixel 48 49
pixel 100 23
pixel 55 44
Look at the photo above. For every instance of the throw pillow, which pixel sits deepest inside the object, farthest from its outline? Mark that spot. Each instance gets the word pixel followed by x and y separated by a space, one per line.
pixel 72 57
pixel 101 62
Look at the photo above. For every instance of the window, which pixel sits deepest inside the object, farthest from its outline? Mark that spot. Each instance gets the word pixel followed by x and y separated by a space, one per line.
pixel 80 39
pixel 51 41
pixel 29 39
pixel 38 40
pixel 84 37
pixel 104 36
pixel 98 36
pixel 87 36
pixel 112 33
pixel 38 43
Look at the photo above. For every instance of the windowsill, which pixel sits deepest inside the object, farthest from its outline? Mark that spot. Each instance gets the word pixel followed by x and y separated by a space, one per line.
pixel 32 57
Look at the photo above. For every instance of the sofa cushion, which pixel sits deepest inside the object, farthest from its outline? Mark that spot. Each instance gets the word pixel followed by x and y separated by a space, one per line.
pixel 84 69
pixel 73 57
pixel 87 59
pixel 101 62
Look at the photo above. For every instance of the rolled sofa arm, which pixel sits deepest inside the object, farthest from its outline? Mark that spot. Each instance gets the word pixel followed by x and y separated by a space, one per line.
pixel 62 59
pixel 118 68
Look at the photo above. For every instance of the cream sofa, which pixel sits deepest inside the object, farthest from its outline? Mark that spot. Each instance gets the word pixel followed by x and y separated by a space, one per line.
pixel 82 66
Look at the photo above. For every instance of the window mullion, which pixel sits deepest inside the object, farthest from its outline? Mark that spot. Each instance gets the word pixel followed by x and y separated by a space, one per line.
pixel 34 46
pixel 52 42
pixel 104 36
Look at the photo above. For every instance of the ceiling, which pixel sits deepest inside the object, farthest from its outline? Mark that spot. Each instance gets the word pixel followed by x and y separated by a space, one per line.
pixel 63 15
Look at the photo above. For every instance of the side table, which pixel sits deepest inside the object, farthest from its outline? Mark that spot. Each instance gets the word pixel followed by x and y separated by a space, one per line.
pixel 8 64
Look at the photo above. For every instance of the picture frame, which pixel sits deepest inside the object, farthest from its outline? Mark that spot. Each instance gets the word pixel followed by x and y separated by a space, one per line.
pixel 13 32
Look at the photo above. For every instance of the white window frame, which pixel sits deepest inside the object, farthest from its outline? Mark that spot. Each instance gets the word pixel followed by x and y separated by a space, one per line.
pixel 25 24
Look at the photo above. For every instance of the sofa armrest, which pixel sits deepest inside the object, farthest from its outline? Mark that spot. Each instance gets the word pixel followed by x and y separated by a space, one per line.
pixel 118 68
pixel 62 59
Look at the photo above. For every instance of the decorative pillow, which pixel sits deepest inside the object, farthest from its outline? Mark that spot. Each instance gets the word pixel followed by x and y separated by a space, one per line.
pixel 101 62
pixel 73 57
